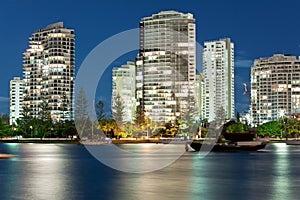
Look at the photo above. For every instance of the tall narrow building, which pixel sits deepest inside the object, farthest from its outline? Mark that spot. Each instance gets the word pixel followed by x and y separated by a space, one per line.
pixel 275 88
pixel 218 71
pixel 123 84
pixel 16 100
pixel 48 70
pixel 166 66
pixel 199 95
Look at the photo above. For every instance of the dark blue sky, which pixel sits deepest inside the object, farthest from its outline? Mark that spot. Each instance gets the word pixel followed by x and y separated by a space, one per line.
pixel 258 29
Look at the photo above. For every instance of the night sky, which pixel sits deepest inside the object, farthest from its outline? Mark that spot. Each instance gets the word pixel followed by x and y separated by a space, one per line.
pixel 258 29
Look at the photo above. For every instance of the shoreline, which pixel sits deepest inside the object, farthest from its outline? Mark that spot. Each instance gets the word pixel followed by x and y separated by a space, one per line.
pixel 138 141
pixel 41 141
pixel 74 141
pixel 113 141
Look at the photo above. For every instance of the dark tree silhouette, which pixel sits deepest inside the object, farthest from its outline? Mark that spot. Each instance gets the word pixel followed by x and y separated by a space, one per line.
pixel 100 110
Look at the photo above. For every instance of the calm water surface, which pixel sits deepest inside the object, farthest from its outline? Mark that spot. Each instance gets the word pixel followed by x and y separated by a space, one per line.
pixel 57 171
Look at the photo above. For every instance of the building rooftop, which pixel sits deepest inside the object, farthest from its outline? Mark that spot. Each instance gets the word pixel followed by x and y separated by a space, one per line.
pixel 278 57
pixel 54 25
pixel 168 14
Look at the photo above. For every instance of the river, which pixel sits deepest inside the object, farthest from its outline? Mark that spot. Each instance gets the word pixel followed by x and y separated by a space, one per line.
pixel 67 171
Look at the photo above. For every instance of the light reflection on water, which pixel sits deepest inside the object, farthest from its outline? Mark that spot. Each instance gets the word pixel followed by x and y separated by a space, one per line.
pixel 44 171
pixel 137 158
pixel 282 170
pixel 36 172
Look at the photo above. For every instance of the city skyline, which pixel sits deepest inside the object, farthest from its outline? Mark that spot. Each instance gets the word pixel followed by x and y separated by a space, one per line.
pixel 250 43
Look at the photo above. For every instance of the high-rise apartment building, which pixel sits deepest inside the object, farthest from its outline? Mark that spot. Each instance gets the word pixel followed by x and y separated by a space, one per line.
pixel 166 66
pixel 218 72
pixel 123 84
pixel 275 88
pixel 16 99
pixel 199 95
pixel 48 70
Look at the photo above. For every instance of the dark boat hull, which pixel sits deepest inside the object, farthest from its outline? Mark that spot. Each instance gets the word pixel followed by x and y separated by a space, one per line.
pixel 227 147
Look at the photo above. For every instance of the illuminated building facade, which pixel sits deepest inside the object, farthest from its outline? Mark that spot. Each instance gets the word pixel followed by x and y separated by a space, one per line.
pixel 123 84
pixel 48 71
pixel 199 95
pixel 166 66
pixel 218 75
pixel 16 99
pixel 275 88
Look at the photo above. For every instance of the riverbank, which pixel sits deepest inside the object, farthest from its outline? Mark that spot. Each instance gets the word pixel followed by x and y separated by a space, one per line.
pixel 41 140
pixel 114 141
pixel 135 141
pixel 74 141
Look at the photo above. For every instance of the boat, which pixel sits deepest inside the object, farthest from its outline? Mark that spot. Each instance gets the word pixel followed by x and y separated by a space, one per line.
pixel 229 147
pixel 292 142
pixel 5 156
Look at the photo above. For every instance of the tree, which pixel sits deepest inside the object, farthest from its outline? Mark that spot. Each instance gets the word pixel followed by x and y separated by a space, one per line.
pixel 271 129
pixel 44 111
pixel 44 123
pixel 188 123
pixel 110 127
pixel 169 129
pixel 289 126
pixel 116 128
pixel 118 109
pixel 5 128
pixel 105 125
pixel 5 119
pixel 238 117
pixel 81 105
pixel 139 115
pixel 64 129
pixel 130 129
pixel 237 127
pixel 23 122
pixel 26 115
pixel 100 110
pixel 2 126
pixel 81 114
pixel 220 115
